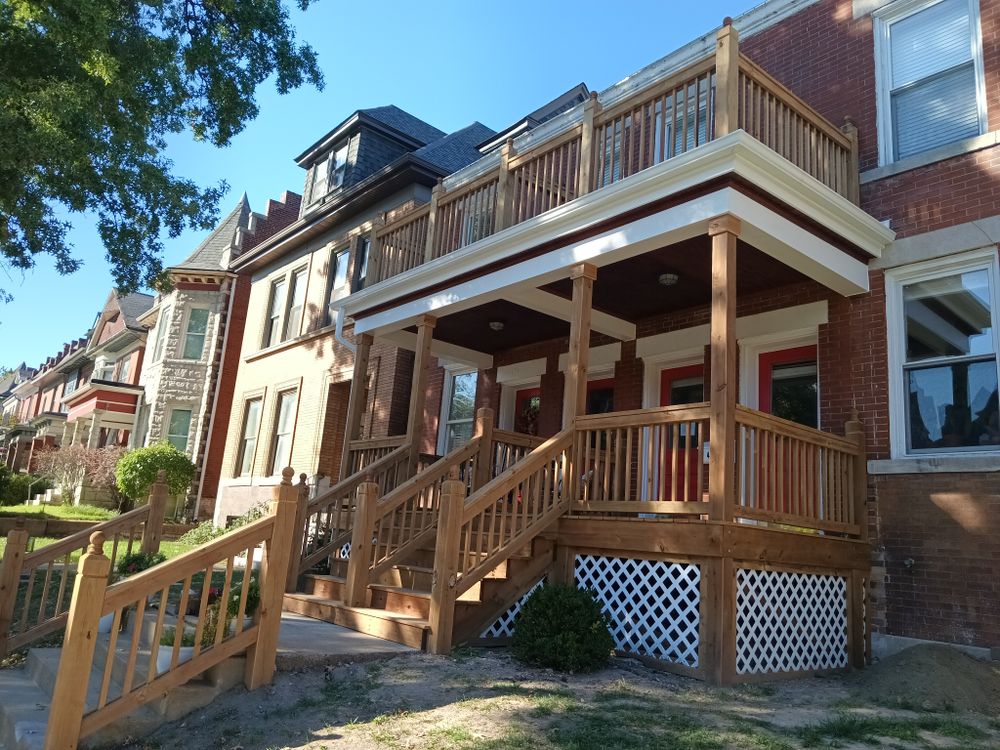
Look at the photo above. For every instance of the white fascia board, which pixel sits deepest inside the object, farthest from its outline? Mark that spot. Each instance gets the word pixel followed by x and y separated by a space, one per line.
pixel 562 308
pixel 521 371
pixel 443 350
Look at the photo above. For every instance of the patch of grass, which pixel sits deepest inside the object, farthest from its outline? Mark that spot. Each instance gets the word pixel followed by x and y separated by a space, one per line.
pixel 750 737
pixel 870 729
pixel 554 702
pixel 64 512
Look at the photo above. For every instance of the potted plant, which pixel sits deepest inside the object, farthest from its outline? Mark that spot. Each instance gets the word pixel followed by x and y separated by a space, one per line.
pixel 166 651
pixel 129 565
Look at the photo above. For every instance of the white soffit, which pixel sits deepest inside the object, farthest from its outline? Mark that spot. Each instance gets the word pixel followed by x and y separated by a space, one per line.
pixel 447 353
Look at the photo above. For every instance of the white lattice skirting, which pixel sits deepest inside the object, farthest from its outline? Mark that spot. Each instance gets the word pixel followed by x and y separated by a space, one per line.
pixel 503 626
pixel 653 606
pixel 790 622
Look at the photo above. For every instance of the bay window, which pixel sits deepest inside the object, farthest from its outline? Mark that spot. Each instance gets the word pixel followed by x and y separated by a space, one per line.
pixel 194 337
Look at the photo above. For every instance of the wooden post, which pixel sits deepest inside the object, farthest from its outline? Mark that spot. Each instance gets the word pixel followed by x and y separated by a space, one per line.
pixel 152 530
pixel 436 194
pixel 418 389
pixel 561 573
pixel 855 430
pixel 590 111
pixel 274 573
pixel 505 188
pixel 298 532
pixel 356 584
pixel 10 578
pixel 727 71
pixel 357 400
pixel 484 460
pixel 853 167
pixel 723 386
pixel 76 662
pixel 856 631
pixel 442 609
pixel 575 387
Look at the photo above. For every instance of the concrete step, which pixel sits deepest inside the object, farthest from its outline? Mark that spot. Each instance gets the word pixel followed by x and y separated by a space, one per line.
pixel 409 630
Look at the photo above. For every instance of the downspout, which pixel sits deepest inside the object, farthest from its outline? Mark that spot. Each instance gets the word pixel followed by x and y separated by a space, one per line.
pixel 339 332
pixel 215 396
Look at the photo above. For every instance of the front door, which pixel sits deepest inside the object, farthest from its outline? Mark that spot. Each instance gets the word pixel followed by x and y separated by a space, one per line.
pixel 527 403
pixel 678 479
pixel 788 385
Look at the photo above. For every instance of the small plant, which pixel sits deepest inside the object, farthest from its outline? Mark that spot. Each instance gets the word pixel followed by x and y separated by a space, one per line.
pixel 169 636
pixel 253 599
pixel 562 627
pixel 203 533
pixel 137 470
pixel 136 562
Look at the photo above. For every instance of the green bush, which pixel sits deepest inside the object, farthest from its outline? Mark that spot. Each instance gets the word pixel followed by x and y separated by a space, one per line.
pixel 136 562
pixel 201 534
pixel 137 470
pixel 562 627
pixel 15 490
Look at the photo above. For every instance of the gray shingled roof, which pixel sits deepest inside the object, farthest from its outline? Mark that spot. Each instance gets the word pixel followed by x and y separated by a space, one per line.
pixel 404 122
pixel 133 305
pixel 210 255
pixel 457 149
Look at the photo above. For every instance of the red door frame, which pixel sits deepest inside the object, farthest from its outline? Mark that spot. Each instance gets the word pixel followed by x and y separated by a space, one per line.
pixel 669 375
pixel 765 370
pixel 693 460
pixel 521 398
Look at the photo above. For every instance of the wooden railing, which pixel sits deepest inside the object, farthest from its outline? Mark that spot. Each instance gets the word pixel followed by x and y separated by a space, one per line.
pixel 609 141
pixel 643 461
pixel 35 587
pixel 797 476
pixel 366 452
pixel 504 515
pixel 325 526
pixel 142 662
pixel 509 447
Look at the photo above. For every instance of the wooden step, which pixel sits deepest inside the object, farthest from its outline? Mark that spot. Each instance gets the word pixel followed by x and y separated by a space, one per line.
pixel 326 586
pixel 391 626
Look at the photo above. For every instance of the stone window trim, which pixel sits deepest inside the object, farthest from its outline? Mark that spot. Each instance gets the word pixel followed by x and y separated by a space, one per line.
pixel 186 328
pixel 882 20
pixel 895 279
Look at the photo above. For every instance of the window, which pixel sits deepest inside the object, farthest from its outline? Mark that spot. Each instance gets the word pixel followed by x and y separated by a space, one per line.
pixel 293 318
pixel 104 369
pixel 123 366
pixel 248 437
pixel 788 384
pixel 281 443
pixel 361 262
pixel 272 326
pixel 339 264
pixel 329 173
pixel 338 166
pixel 601 396
pixel 162 323
pixel 178 428
pixel 944 358
pixel 458 417
pixel 70 383
pixel 930 79
pixel 194 338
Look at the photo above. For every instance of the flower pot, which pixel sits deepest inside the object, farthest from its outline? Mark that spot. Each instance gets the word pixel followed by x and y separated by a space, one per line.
pixel 166 653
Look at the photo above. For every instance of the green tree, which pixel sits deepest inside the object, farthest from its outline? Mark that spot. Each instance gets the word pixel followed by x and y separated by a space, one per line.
pixel 137 470
pixel 89 90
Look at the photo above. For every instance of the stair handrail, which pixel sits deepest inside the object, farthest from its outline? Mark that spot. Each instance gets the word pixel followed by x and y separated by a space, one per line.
pixel 23 619
pixel 338 505
pixel 220 630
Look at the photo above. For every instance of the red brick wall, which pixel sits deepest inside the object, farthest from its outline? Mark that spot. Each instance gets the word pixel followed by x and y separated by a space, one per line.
pixel 278 215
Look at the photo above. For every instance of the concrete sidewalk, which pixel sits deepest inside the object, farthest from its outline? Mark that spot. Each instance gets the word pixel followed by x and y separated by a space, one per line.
pixel 307 642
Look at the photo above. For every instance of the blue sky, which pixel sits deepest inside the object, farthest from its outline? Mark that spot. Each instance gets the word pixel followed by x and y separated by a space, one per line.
pixel 449 63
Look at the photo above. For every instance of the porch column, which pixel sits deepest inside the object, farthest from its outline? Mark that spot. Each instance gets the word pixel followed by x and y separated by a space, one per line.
pixel 575 387
pixel 95 430
pixel 357 400
pixel 418 388
pixel 723 385
pixel 76 430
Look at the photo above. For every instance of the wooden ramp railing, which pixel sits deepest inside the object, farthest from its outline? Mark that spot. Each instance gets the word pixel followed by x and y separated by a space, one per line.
pixel 89 696
pixel 35 587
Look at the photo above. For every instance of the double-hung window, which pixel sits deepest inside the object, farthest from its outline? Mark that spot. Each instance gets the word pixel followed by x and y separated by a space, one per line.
pixel 162 324
pixel 458 412
pixel 178 428
pixel 329 174
pixel 284 425
pixel 943 338
pixel 361 263
pixel 248 437
pixel 194 337
pixel 123 366
pixel 275 306
pixel 340 262
pixel 297 298
pixel 930 76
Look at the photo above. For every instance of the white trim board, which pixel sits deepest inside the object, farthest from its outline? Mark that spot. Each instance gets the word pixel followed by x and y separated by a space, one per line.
pixel 600 358
pixel 518 372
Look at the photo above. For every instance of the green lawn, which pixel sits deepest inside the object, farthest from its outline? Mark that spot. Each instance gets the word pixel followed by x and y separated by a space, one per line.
pixel 170 549
pixel 63 512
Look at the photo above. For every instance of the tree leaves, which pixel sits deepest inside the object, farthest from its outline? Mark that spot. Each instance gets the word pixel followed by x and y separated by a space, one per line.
pixel 89 90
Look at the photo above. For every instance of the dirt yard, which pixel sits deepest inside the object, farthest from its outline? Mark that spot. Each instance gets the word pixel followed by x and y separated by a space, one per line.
pixel 927 697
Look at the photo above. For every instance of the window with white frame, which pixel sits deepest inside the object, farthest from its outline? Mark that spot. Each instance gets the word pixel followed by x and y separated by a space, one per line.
pixel 69 385
pixel 296 303
pixel 123 367
pixel 930 76
pixel 275 306
pixel 329 173
pixel 194 336
pixel 943 354
pixel 178 428
pixel 340 261
pixel 361 263
pixel 162 323
pixel 284 426
pixel 458 410
pixel 248 437
pixel 104 369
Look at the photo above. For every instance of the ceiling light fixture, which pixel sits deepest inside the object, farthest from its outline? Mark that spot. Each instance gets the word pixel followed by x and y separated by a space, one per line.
pixel 496 325
pixel 668 279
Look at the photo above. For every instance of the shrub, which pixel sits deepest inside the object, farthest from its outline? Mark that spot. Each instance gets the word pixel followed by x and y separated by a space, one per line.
pixel 201 534
pixel 17 487
pixel 73 465
pixel 136 562
pixel 136 470
pixel 169 635
pixel 562 627
pixel 253 599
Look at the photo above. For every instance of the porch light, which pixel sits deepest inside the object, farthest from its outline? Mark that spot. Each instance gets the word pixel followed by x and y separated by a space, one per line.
pixel 668 279
pixel 496 325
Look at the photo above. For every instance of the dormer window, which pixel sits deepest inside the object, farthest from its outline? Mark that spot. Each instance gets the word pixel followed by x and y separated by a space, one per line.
pixel 328 174
pixel 104 369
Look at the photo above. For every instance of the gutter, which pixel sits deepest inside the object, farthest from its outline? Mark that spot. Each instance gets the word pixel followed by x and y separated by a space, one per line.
pixel 338 332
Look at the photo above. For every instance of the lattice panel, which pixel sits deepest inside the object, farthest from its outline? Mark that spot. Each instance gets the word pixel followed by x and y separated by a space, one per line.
pixel 503 626
pixel 789 622
pixel 653 606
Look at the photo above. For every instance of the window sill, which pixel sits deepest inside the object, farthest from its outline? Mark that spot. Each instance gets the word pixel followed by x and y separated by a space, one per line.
pixel 951 464
pixel 951 150
pixel 318 333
